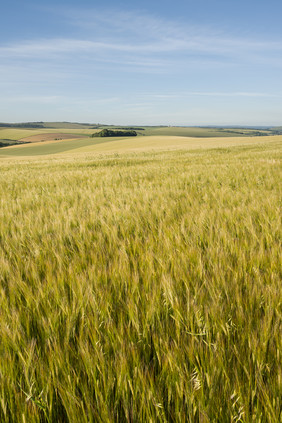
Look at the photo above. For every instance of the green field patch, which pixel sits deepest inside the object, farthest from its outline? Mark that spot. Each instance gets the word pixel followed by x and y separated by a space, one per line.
pixel 202 132
pixel 53 148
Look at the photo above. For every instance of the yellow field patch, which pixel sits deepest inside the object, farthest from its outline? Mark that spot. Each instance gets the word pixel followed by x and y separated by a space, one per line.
pixel 171 143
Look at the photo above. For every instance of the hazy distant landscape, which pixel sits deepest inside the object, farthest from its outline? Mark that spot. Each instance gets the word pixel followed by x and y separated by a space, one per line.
pixel 72 136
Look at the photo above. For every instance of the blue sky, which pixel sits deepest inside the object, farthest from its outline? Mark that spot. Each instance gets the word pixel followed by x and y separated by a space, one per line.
pixel 204 62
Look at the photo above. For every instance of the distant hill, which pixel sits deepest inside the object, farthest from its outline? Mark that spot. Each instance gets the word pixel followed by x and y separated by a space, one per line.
pixel 22 125
pixel 194 131
pixel 51 125
pixel 277 130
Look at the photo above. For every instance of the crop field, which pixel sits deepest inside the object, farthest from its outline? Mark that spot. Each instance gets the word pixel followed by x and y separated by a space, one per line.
pixel 201 132
pixel 53 147
pixel 18 134
pixel 79 129
pixel 140 280
pixel 155 143
pixel 50 137
pixel 120 144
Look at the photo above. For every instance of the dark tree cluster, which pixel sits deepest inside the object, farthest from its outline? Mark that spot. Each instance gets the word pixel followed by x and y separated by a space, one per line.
pixel 114 133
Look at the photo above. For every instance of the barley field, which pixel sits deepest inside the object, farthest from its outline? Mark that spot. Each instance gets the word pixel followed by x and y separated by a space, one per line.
pixel 141 286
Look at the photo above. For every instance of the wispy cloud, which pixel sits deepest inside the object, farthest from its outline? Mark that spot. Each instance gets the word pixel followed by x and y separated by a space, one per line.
pixel 108 32
pixel 213 94
pixel 199 45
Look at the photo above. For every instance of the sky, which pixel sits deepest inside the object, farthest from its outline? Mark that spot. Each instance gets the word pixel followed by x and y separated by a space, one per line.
pixel 157 62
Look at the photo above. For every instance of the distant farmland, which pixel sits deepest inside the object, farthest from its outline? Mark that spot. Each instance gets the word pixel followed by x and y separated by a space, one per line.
pixel 148 138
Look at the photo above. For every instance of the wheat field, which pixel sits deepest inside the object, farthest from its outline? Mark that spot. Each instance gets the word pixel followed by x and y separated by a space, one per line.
pixel 142 286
